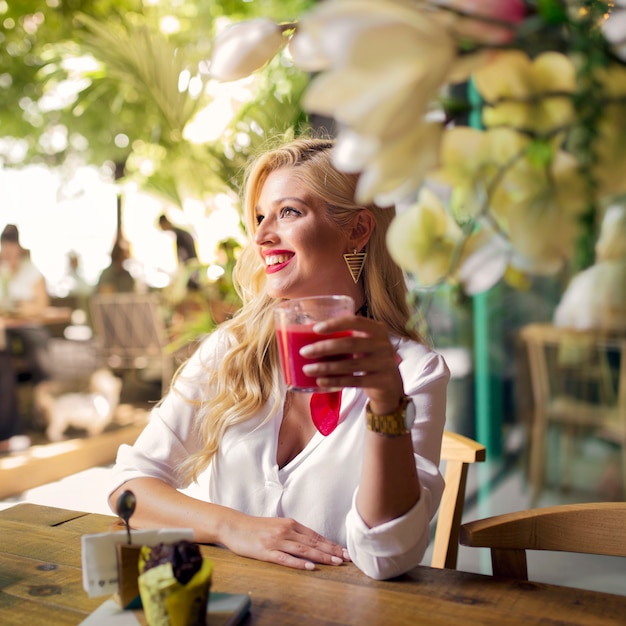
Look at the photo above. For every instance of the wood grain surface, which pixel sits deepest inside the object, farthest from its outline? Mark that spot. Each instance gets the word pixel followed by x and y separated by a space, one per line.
pixel 40 583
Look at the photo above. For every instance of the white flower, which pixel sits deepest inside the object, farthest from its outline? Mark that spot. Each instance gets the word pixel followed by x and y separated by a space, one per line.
pixel 392 169
pixel 382 64
pixel 484 260
pixel 385 60
pixel 615 30
pixel 243 48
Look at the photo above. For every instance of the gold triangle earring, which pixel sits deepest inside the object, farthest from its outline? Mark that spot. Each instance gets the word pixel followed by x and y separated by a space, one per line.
pixel 355 262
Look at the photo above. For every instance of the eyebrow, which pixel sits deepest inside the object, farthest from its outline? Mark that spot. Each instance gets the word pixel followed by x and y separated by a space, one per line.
pixel 304 201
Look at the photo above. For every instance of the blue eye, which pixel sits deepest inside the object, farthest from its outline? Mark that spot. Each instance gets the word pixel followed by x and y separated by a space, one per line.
pixel 259 219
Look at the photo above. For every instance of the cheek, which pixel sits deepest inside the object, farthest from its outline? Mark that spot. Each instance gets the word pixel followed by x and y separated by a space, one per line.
pixel 324 249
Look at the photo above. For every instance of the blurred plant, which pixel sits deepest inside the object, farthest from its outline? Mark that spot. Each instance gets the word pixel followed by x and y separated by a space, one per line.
pixel 511 196
pixel 196 311
pixel 123 85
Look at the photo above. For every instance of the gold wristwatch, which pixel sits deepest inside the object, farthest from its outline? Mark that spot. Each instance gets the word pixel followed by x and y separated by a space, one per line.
pixel 392 424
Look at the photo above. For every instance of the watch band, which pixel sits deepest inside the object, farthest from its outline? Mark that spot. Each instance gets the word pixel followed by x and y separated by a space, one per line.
pixel 392 424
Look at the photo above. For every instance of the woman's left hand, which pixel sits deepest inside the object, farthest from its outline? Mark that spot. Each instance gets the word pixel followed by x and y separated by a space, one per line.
pixel 365 359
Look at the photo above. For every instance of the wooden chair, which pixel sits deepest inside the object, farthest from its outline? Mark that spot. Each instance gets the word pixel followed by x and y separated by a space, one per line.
pixel 131 335
pixel 596 528
pixel 578 382
pixel 458 452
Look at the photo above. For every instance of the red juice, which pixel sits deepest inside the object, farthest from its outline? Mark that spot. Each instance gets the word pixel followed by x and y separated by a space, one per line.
pixel 290 340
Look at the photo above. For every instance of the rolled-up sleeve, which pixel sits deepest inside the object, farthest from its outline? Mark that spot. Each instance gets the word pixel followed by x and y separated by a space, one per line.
pixel 394 547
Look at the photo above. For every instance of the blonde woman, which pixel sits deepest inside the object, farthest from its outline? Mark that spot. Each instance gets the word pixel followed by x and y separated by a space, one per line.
pixel 266 484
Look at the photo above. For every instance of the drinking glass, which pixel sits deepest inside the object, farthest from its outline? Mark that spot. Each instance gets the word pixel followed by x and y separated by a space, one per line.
pixel 294 329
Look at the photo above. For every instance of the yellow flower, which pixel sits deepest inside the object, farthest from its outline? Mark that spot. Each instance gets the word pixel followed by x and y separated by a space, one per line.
pixel 610 144
pixel 539 209
pixel 531 95
pixel 426 241
pixel 610 150
pixel 423 238
pixel 471 160
pixel 527 193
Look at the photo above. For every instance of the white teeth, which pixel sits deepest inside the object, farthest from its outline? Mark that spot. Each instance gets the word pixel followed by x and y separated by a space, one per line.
pixel 275 259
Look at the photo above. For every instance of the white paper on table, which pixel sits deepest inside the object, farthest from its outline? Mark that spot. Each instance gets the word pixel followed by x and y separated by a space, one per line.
pixel 110 613
pixel 227 609
pixel 99 555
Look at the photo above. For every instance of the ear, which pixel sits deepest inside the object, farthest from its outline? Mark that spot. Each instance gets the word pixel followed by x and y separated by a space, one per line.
pixel 361 229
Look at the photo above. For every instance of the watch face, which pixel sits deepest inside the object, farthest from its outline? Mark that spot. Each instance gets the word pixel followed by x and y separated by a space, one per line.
pixel 409 415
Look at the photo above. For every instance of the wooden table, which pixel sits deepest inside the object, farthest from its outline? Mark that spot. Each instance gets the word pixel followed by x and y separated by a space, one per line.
pixel 50 316
pixel 40 583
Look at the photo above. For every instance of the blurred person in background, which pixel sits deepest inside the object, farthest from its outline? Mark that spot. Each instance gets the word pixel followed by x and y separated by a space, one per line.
pixel 24 294
pixel 73 285
pixel 74 279
pixel 116 278
pixel 186 252
pixel 22 285
pixel 185 243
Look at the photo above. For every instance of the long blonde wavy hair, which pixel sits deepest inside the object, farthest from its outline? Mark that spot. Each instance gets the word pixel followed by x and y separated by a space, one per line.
pixel 249 374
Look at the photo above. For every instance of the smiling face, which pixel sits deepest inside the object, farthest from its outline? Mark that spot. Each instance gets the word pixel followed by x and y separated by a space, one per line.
pixel 301 246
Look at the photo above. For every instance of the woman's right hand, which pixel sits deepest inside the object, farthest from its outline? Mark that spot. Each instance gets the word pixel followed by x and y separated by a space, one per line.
pixel 280 540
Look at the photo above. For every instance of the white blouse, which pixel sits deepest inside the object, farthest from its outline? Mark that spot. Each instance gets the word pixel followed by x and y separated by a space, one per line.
pixel 21 286
pixel 318 487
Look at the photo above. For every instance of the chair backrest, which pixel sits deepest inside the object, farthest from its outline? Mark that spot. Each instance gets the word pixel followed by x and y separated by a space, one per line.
pixel 128 326
pixel 574 363
pixel 589 528
pixel 578 378
pixel 130 333
pixel 458 452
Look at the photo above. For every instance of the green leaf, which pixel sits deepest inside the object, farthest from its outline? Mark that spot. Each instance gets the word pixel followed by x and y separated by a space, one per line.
pixel 552 11
pixel 540 153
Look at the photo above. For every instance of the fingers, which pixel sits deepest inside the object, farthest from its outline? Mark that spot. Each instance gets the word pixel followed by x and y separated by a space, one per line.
pixel 368 339
pixel 360 355
pixel 299 541
pixel 365 359
pixel 299 555
pixel 286 542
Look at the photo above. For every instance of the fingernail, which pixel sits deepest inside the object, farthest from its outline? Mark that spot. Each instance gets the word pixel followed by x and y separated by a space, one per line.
pixel 305 350
pixel 336 560
pixel 346 556
pixel 310 566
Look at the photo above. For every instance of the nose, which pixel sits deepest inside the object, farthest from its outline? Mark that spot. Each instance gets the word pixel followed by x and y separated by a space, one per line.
pixel 265 233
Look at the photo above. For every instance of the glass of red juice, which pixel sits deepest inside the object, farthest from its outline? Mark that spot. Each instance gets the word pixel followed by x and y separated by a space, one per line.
pixel 294 329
